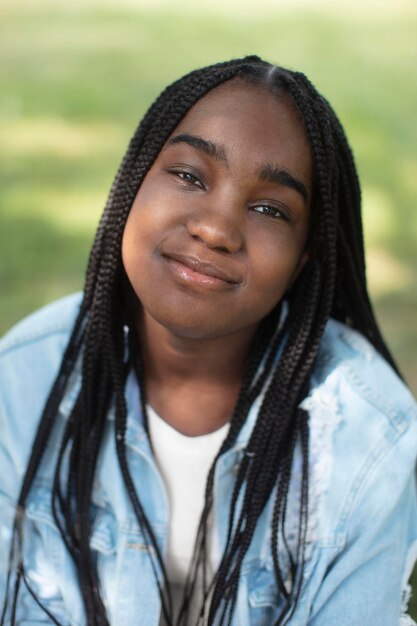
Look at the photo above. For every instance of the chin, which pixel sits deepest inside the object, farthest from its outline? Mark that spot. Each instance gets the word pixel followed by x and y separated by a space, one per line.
pixel 192 325
pixel 192 329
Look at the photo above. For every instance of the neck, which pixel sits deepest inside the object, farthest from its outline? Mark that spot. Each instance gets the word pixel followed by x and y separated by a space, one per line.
pixel 192 383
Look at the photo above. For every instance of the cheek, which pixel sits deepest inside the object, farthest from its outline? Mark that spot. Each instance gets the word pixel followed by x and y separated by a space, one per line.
pixel 153 213
pixel 130 247
pixel 274 267
pixel 136 235
pixel 143 222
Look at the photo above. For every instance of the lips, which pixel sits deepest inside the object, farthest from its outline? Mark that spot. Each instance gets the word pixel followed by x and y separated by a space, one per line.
pixel 204 267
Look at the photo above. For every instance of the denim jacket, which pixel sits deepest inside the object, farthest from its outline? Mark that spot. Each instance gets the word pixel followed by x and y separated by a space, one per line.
pixel 362 535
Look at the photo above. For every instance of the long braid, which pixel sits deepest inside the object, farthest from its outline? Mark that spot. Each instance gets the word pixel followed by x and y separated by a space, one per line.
pixel 332 282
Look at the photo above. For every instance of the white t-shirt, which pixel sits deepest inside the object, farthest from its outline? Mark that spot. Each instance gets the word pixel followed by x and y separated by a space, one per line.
pixel 184 463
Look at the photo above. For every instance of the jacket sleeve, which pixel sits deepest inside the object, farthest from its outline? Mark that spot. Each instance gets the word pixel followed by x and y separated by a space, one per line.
pixel 38 569
pixel 366 583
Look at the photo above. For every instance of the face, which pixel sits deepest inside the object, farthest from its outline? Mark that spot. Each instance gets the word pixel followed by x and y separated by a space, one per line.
pixel 218 230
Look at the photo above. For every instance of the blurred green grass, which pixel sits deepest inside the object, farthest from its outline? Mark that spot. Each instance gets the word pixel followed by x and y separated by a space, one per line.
pixel 75 79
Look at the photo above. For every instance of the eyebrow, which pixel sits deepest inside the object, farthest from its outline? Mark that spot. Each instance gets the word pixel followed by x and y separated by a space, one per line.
pixel 207 147
pixel 272 174
pixel 268 173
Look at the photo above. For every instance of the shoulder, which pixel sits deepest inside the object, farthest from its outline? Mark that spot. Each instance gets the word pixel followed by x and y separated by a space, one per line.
pixel 363 431
pixel 31 352
pixel 349 370
pixel 51 320
pixel 30 357
pixel 348 360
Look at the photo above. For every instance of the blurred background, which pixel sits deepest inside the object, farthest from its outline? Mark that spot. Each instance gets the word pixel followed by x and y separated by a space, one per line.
pixel 76 77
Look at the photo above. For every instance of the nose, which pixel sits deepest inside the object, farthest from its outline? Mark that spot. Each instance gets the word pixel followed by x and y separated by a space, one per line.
pixel 216 228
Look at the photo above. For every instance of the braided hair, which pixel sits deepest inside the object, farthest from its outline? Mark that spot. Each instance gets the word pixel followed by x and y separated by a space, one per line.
pixel 332 283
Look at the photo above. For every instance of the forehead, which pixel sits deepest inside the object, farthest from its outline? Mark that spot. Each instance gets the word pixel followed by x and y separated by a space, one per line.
pixel 253 125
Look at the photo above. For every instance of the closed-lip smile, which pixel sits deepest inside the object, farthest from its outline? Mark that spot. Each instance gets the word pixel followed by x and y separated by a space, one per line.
pixel 204 268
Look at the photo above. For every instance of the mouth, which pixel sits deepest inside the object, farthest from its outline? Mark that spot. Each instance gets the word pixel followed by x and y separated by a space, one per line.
pixel 200 272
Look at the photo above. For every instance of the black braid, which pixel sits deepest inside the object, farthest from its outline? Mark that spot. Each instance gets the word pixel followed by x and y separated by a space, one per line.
pixel 332 283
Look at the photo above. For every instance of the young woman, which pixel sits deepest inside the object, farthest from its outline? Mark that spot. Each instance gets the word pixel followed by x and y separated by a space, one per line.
pixel 214 432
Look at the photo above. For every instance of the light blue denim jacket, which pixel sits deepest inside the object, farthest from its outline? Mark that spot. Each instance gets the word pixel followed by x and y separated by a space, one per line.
pixel 362 535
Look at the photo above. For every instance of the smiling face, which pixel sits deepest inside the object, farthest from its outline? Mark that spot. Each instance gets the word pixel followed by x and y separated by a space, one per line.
pixel 218 230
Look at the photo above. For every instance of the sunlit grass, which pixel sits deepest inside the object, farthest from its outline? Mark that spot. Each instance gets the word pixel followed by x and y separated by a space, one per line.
pixel 387 275
pixel 39 137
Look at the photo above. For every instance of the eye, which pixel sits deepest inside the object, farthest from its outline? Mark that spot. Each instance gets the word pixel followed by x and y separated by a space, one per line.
pixel 274 212
pixel 188 178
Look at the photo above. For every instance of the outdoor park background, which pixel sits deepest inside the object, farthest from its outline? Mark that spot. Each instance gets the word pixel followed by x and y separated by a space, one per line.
pixel 75 78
